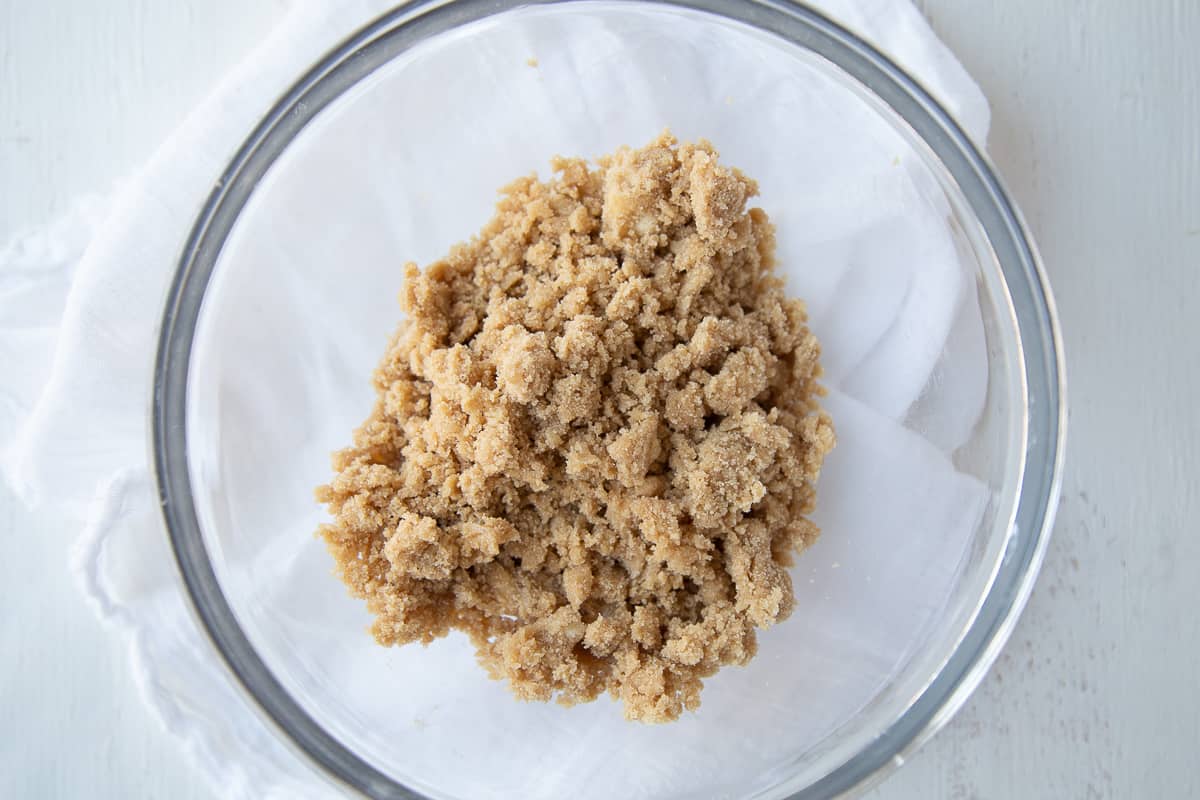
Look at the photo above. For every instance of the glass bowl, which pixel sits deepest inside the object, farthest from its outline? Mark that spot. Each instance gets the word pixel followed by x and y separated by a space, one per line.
pixel 940 345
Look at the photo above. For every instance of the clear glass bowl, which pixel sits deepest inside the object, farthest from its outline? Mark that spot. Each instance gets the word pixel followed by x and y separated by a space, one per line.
pixel 936 506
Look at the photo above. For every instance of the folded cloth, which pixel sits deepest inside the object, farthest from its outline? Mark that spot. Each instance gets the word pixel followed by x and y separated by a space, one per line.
pixel 85 298
pixel 36 270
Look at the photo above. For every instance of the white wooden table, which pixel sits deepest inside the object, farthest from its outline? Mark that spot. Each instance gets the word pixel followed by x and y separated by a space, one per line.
pixel 1096 127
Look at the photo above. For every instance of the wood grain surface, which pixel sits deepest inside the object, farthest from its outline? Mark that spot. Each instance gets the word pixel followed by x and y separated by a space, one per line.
pixel 1096 128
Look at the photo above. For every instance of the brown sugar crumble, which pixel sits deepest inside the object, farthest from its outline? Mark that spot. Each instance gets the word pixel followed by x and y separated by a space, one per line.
pixel 596 438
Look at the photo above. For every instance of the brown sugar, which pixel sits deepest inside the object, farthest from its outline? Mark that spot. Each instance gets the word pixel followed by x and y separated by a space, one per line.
pixel 596 439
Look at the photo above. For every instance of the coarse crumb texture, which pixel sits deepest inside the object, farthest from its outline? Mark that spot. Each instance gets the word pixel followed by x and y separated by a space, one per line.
pixel 596 437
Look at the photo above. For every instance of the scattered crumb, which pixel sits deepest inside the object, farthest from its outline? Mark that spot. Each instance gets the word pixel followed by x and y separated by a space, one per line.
pixel 596 439
pixel 531 62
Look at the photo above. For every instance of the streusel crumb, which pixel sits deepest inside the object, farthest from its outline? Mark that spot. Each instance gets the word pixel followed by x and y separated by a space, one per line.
pixel 596 439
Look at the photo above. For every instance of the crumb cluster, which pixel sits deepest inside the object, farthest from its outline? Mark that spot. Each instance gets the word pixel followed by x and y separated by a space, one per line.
pixel 596 439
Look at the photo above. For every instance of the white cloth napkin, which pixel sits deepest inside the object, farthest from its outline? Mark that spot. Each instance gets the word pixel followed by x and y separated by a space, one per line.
pixel 80 304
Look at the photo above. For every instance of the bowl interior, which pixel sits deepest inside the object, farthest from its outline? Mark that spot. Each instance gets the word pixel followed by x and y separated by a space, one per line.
pixel 920 349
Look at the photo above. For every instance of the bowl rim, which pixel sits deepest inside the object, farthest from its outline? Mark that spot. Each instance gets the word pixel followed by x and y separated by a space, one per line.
pixel 1040 345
